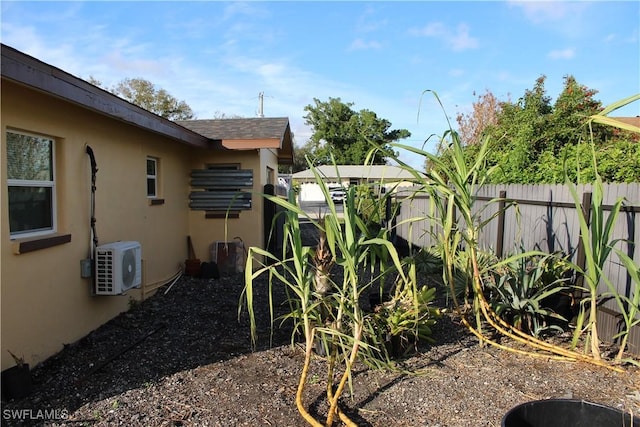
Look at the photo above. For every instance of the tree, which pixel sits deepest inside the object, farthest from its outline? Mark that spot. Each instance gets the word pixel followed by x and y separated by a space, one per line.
pixel 300 154
pixel 570 111
pixel 144 94
pixel 94 81
pixel 484 114
pixel 532 139
pixel 347 135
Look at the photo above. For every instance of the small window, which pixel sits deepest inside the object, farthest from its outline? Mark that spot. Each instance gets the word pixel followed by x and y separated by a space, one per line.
pixel 31 182
pixel 271 176
pixel 152 177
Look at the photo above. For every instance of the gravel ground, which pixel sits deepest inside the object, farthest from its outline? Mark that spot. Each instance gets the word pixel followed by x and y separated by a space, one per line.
pixel 183 358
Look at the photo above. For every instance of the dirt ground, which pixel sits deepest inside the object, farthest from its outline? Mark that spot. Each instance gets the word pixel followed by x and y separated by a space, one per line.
pixel 184 358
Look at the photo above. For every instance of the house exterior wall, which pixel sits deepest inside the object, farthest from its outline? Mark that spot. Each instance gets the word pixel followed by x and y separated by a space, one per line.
pixel 45 302
pixel 250 224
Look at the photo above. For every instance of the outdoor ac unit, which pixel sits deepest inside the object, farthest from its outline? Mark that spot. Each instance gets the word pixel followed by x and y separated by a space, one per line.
pixel 229 256
pixel 118 267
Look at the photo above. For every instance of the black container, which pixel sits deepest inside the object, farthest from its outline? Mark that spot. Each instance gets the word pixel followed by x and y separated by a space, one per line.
pixel 566 413
pixel 16 382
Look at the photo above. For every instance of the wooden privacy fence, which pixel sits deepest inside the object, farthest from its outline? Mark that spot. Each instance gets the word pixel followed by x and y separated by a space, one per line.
pixel 542 217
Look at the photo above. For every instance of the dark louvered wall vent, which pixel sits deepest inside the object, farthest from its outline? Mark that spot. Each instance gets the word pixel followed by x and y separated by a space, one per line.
pixel 221 189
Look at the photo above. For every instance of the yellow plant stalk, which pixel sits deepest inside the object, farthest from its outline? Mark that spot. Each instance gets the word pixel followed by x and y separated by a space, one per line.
pixel 333 409
pixel 303 379
pixel 519 336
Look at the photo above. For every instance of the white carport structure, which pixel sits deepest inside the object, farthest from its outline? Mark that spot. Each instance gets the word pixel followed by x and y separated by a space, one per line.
pixel 387 176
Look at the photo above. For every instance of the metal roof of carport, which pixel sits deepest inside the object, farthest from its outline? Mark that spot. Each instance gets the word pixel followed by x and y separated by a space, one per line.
pixel 374 172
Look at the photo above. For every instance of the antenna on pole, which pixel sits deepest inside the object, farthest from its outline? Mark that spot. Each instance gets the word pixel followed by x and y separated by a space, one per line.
pixel 261 104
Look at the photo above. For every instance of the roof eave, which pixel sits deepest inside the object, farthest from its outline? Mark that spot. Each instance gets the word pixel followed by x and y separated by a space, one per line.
pixel 285 154
pixel 31 72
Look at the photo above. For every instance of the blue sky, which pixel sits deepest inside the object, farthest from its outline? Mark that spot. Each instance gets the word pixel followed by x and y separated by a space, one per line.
pixel 381 56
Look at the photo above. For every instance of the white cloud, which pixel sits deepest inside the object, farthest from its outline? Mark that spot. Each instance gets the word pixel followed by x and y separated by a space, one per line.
pixel 633 37
pixel 618 38
pixel 268 71
pixel 433 29
pixel 365 23
pixel 457 39
pixel 562 54
pixel 360 44
pixel 250 9
pixel 568 18
pixel 542 11
pixel 461 39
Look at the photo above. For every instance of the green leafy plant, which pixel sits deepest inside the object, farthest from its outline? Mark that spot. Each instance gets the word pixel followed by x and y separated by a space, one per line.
pixel 596 231
pixel 452 185
pixel 325 286
pixel 427 261
pixel 631 306
pixel 596 236
pixel 406 318
pixel 518 294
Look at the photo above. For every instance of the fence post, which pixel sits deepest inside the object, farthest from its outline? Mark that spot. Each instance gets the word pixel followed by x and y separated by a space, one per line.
pixel 500 234
pixel 581 256
pixel 270 240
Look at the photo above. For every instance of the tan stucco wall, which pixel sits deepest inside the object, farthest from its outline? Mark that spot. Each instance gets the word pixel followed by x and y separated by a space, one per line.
pixel 45 302
pixel 249 225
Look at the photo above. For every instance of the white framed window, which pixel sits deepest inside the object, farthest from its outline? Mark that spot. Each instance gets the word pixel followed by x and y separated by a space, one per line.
pixel 32 185
pixel 152 177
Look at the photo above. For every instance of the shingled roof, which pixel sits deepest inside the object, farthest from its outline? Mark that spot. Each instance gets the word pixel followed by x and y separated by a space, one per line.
pixel 633 121
pixel 247 134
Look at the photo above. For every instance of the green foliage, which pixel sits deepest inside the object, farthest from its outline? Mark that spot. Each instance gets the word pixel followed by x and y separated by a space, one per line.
pixel 532 138
pixel 567 120
pixel 618 161
pixel 596 235
pixel 347 135
pixel 518 293
pixel 427 262
pixel 372 205
pixel 325 285
pixel 300 156
pixel 461 266
pixel 451 182
pixel 405 319
pixel 145 94
pixel 630 306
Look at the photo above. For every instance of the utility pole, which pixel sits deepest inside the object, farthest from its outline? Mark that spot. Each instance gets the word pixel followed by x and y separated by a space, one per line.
pixel 261 104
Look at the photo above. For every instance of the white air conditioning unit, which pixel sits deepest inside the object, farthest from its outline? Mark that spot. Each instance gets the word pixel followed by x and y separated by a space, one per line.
pixel 118 267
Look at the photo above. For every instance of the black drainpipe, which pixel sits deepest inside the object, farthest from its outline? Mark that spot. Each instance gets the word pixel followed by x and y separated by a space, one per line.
pixel 94 235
